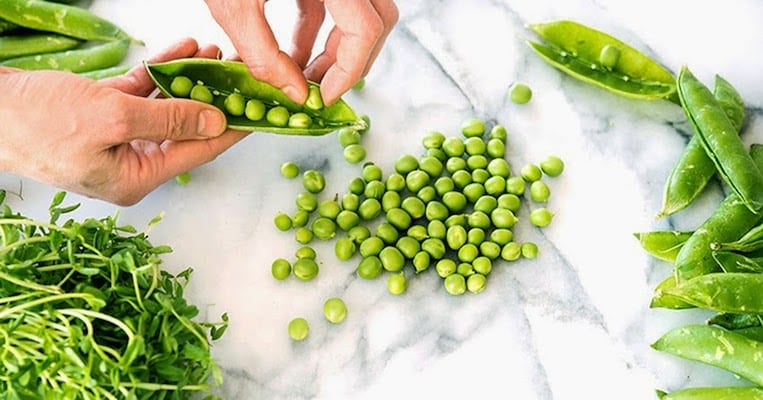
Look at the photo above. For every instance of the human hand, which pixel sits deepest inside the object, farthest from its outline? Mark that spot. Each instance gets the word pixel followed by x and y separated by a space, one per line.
pixel 106 139
pixel 352 45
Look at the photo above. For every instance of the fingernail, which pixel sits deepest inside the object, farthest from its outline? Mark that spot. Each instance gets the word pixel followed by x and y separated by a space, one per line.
pixel 211 123
pixel 294 94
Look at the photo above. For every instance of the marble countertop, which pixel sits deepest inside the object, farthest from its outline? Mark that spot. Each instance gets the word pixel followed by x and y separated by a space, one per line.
pixel 574 323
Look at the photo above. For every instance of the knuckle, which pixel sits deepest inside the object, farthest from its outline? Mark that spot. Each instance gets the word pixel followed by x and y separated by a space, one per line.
pixel 174 123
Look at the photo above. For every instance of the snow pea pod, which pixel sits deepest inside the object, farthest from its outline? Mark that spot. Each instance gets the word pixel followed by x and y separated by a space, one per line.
pixel 663 299
pixel 729 292
pixel 717 347
pixel 228 77
pixel 734 321
pixel 694 168
pixel 730 261
pixel 104 73
pixel 720 140
pixel 100 56
pixel 23 45
pixel 663 245
pixel 7 26
pixel 715 393
pixel 577 49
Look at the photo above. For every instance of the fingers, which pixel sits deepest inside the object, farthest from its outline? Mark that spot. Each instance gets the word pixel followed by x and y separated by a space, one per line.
pixel 169 119
pixel 311 16
pixel 390 15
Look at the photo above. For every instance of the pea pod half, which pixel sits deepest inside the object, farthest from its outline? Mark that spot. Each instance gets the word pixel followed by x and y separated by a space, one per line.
pixel 715 393
pixel 224 78
pixel 102 55
pixel 587 54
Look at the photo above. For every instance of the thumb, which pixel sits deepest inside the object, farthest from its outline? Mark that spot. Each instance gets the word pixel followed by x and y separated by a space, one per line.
pixel 173 119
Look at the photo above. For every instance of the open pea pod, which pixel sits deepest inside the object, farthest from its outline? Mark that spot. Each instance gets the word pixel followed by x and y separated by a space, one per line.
pixel 598 58
pixel 224 78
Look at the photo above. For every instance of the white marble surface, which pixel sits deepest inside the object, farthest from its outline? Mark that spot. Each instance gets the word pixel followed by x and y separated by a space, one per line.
pixel 573 324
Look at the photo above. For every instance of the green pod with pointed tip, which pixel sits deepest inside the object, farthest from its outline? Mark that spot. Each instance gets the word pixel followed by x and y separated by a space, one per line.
pixel 24 45
pixel 663 245
pixel 103 55
pixel 227 77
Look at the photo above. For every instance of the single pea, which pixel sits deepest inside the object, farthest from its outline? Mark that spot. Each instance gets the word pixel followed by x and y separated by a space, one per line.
pixel 359 233
pixel 348 136
pixel 280 268
pixel 427 194
pixel 499 132
pixel 455 201
pixel 305 269
pixel 456 237
pixel 445 267
pixel 498 167
pixel 552 166
pixel 495 185
pixel 366 123
pixel 255 110
pixel 486 204
pixel 282 221
pixel 329 209
pixel 408 246
pixel 323 228
pixel 490 249
pixel 541 217
pixel 278 116
pixel 235 104
pixel 511 251
pixel 531 172
pixel 335 310
pixel 437 154
pixel 496 148
pixel 374 190
pixel 298 329
pixel 183 178
pixel 475 162
pixel 415 180
pixel 482 265
pixel 300 218
pixel 392 259
pixel 501 236
pixel 399 218
pixel 344 248
pixel 443 185
pixel 421 261
pixel 350 202
pixel 201 93
pixel 347 220
pixel 474 191
pixel 503 218
pixel 455 284
pixel 354 153
pixel 414 207
pixel 370 267
pixel 476 283
pixel 181 86
pixel 475 146
pixel 609 56
pixel 520 93
pixel 529 250
pixel 397 284
pixel 356 186
pixel 300 120
pixel 371 246
pixel 388 232
pixel 432 166
pixel 472 127
pixel 418 232
pixel 510 202
pixel 433 140
pixel 313 181
pixel 454 164
pixel 515 185
pixel 435 247
pixel 305 252
pixel 359 85
pixel 461 178
pixel 314 100
pixel 437 229
pixel 453 146
pixel 289 170
pixel 371 172
pixel 405 164
pixel 395 182
pixel 303 235
pixel 436 211
pixel 390 200
pixel 456 219
pixel 465 269
pixel 480 175
pixel 475 236
pixel 369 209
pixel 539 192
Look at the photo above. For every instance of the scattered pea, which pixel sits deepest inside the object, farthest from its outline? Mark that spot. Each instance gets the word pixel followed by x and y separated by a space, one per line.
pixel 482 265
pixel 399 218
pixel 479 219
pixel 455 201
pixel 529 250
pixel 183 178
pixel 358 233
pixel 541 217
pixel 480 175
pixel 515 185
pixel 374 190
pixel 468 252
pixel 474 191
pixel 405 164
pixel 303 235
pixel 453 164
pixel 472 127
pixel 305 269
pixel 456 236
pixel 499 132
pixel 347 220
pixel 397 283
pixel 455 284
pixel 476 161
pixel 280 269
pixel 329 209
pixel 181 86
pixel 390 200
pixel 388 232
pixel 369 209
pixel 531 172
pixel 495 185
pixel 485 204
pixel 418 232
pixel 354 153
pixel 371 246
pixel 350 202
pixel 305 252
pixel 465 269
pixel 431 165
pixel 496 148
pixel 435 247
pixel 436 211
pixel 395 182
pixel 443 185
pixel 300 218
pixel 552 166
pixel 476 283
pixel 520 93
pixel 370 267
pixel 475 146
pixel 289 170
pixel 335 310
pixel 427 194
pixel 499 167
pixel 348 136
pixel 408 246
pixel 438 154
pixel 475 236
pixel 501 236
pixel 503 218
pixel 433 140
pixel 421 261
pixel 437 229
pixel 490 249
pixel 282 221
pixel 415 180
pixel 323 228
pixel 461 178
pixel 356 186
pixel 445 267
pixel 313 181
pixel 344 248
pixel 371 172
pixel 510 202
pixel 414 206
pixel 453 146
pixel 298 329
pixel 511 251
pixel 539 192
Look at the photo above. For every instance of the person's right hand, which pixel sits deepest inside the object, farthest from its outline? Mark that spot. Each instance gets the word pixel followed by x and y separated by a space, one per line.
pixel 352 46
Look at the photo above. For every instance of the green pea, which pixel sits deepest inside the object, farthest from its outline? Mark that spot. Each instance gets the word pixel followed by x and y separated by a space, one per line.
pixel 511 251
pixel 501 236
pixel 371 172
pixel 305 269
pixel 510 202
pixel 344 248
pixel 437 154
pixel 414 206
pixel 468 252
pixel 529 250
pixel 486 204
pixel 397 284
pixel 421 261
pixel 431 165
pixel 335 310
pixel 359 85
pixel 609 56
pixel 392 259
pixel 348 136
pixel 480 175
pixel 456 237
pixel 202 93
pixel 390 200
pixel 303 235
pixel 427 194
pixel 366 124
pixel 298 329
pixel 369 209
pixel 418 232
pixel 482 265
pixel 289 170
pixel 503 218
pixel 531 172
pixel 496 148
pixel 520 93
pixel 490 249
pixel 499 167
pixel 475 146
pixel 472 127
pixel 455 284
pixel 314 100
pixel 395 182
pixel 495 185
pixel 300 120
pixel 539 192
pixel 437 229
pixel 476 283
pixel 453 147
pixel 359 233
pixel 433 140
pixel 435 247
pixel 278 116
pixel 370 267
pixel 374 190
pixel 436 211
pixel 280 269
pixel 541 217
pixel 305 252
pixel 323 228
pixel 408 246
pixel 313 181
pixel 181 86
pixel 499 132
pixel 415 180
pixel 399 218
pixel 445 267
pixel 443 185
pixel 354 153
pixel 235 104
pixel 371 246
pixel 329 209
pixel 475 162
pixel 356 186
pixel 183 178
pixel 461 178
pixel 255 110
pixel 282 221
pixel 455 201
pixel 465 269
pixel 405 164
pixel 347 220
pixel 515 185
pixel 350 202
pixel 475 236
pixel 454 164
pixel 388 232
pixel 457 219
pixel 474 191
pixel 300 218
pixel 552 166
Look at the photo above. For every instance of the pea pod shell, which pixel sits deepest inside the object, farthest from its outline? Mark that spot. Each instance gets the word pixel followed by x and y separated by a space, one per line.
pixel 717 347
pixel 100 56
pixel 575 49
pixel 730 261
pixel 716 393
pixel 663 245
pixel 662 298
pixel 731 292
pixel 22 45
pixel 225 76
pixel 106 72
pixel 735 321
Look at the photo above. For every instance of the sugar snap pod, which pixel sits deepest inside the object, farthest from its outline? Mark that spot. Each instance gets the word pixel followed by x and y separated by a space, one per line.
pixel 267 109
